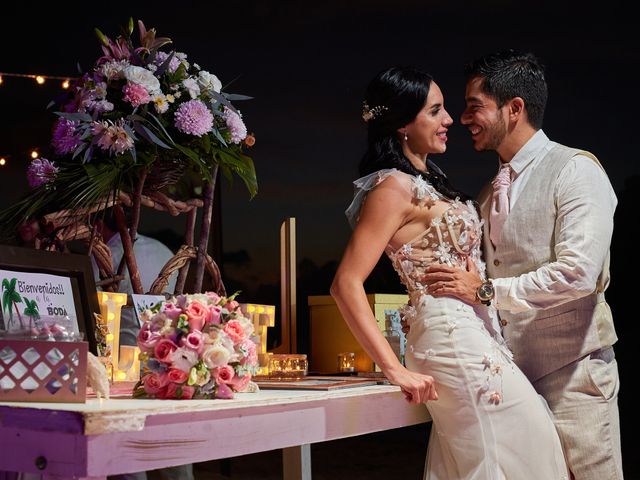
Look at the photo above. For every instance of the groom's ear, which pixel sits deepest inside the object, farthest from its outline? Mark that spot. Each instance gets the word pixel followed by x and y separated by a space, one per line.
pixel 516 108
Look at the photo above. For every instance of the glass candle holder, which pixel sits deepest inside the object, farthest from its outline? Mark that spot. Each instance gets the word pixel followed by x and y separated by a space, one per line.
pixel 288 365
pixel 346 362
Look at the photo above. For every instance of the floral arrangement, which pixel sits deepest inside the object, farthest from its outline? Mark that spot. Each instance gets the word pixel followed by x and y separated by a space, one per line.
pixel 137 109
pixel 196 346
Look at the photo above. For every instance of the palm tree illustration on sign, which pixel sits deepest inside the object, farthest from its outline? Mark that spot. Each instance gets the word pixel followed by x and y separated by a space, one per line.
pixel 31 310
pixel 11 298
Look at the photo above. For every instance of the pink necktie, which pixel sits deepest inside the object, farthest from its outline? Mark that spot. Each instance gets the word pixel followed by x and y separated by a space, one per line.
pixel 499 203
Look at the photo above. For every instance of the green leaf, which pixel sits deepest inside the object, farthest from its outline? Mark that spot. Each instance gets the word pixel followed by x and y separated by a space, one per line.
pixel 243 167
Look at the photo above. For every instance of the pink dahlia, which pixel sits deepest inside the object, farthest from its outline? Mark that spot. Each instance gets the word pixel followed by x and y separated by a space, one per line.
pixel 193 117
pixel 135 94
pixel 41 171
pixel 236 126
pixel 65 138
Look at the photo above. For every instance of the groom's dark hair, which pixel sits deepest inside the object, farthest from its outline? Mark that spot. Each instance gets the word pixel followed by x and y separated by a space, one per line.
pixel 510 73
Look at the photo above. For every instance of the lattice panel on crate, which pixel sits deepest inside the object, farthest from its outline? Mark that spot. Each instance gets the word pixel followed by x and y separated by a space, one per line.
pixel 40 371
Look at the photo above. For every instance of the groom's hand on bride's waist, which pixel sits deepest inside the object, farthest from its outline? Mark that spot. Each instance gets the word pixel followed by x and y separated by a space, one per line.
pixel 445 281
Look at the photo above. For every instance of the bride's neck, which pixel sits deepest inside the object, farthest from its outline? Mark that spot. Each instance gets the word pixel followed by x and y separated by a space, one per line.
pixel 418 161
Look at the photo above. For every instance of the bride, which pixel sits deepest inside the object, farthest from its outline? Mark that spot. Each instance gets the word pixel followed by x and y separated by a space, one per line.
pixel 488 421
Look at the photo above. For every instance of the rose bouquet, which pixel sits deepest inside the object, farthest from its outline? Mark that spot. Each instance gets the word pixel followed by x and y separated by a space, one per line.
pixel 196 346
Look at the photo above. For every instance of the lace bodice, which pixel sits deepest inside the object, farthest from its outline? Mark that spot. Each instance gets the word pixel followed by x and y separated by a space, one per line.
pixel 451 238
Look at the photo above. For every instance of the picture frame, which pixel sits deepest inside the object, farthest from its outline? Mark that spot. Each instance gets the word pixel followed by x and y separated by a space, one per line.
pixel 326 383
pixel 74 267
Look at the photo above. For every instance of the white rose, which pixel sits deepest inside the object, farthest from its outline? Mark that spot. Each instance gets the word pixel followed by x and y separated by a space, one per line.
pixel 209 81
pixel 192 87
pixel 143 77
pixel 216 356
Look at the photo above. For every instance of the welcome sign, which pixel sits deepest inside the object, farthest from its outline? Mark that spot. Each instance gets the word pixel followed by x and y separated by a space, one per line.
pixel 28 298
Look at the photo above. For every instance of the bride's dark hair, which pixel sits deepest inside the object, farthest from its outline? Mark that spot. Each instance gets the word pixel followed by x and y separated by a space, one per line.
pixel 392 100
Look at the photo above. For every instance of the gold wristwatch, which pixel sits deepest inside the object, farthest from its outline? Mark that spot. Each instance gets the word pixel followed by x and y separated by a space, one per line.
pixel 485 292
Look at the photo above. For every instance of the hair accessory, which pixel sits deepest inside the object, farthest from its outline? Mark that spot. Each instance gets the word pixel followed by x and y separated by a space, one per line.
pixel 371 113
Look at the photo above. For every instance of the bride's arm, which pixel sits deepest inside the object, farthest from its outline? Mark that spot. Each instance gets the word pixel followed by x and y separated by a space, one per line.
pixel 384 212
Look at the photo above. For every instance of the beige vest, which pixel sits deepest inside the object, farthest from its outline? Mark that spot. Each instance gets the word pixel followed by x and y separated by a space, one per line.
pixel 545 340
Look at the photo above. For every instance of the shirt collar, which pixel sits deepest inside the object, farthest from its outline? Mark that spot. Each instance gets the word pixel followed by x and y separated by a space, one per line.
pixel 529 152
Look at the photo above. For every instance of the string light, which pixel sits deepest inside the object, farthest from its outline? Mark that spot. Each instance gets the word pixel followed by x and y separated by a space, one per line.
pixel 3 162
pixel 40 79
pixel 34 154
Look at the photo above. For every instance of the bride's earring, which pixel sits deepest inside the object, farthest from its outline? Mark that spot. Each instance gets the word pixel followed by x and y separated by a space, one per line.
pixel 405 136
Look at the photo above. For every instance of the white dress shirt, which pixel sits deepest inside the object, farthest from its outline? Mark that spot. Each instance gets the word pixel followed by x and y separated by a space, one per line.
pixel 584 226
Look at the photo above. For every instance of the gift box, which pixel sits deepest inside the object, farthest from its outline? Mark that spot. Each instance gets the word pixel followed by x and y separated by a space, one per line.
pixel 43 371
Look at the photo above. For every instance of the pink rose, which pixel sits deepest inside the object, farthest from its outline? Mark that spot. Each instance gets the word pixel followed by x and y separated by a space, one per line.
pixel 155 384
pixel 193 341
pixel 223 374
pixel 197 314
pixel 179 391
pixel 172 310
pixel 224 392
pixel 147 339
pixel 177 376
pixel 163 350
pixel 234 329
pixel 213 297
pixel 239 383
pixel 215 312
pixel 232 305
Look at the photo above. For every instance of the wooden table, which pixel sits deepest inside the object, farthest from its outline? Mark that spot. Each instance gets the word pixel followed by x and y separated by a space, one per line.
pixel 106 437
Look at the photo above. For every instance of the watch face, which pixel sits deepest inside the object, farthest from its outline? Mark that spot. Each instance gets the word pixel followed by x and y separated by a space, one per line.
pixel 485 292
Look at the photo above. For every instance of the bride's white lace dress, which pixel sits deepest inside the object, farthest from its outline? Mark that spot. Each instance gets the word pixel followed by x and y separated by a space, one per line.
pixel 488 422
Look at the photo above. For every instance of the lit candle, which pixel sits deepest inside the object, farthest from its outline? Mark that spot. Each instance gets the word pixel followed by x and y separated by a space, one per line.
pixel 288 365
pixel 347 362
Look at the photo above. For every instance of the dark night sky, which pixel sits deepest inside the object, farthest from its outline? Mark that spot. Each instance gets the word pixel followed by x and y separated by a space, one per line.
pixel 307 66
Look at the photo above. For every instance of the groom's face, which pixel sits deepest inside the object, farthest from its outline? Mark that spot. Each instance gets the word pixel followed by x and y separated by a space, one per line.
pixel 483 118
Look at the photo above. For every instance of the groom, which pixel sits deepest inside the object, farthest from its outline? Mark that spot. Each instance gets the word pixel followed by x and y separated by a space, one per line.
pixel 548 224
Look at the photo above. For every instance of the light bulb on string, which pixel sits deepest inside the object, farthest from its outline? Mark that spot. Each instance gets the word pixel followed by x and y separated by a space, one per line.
pixel 3 162
pixel 34 154
pixel 1 80
pixel 39 79
pixel 65 84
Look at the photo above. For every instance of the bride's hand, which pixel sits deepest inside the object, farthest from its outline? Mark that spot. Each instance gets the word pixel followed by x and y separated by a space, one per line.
pixel 416 387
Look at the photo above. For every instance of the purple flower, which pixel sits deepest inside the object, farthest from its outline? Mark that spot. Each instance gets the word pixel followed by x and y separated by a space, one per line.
pixel 41 171
pixel 236 126
pixel 193 117
pixel 112 137
pixel 65 138
pixel 174 63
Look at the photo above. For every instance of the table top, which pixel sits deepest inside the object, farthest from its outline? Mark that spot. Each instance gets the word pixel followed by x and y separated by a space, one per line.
pixel 119 414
